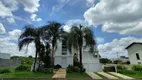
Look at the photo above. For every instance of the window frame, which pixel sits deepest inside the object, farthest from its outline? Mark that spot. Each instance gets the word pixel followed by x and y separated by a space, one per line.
pixel 137 56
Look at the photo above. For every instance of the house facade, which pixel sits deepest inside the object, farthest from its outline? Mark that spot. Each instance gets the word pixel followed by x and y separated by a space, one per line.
pixel 6 62
pixel 4 56
pixel 135 52
pixel 64 58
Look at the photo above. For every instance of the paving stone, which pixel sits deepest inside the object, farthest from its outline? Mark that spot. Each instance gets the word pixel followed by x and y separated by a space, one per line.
pixel 93 75
pixel 121 75
pixel 61 73
pixel 107 75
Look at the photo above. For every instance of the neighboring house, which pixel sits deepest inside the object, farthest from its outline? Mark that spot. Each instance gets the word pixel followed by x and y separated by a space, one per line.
pixel 135 52
pixel 6 62
pixel 64 58
pixel 122 58
pixel 4 56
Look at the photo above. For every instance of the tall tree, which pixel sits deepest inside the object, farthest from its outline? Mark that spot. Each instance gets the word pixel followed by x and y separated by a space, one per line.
pixel 55 32
pixel 30 35
pixel 80 37
pixel 44 55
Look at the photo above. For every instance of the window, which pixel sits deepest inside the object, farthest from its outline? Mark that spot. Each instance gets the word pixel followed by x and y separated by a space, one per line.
pixel 139 62
pixel 137 55
pixel 64 47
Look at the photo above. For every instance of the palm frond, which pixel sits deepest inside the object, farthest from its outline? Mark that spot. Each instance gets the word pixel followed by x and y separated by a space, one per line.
pixel 24 42
pixel 29 32
pixel 89 38
pixel 73 38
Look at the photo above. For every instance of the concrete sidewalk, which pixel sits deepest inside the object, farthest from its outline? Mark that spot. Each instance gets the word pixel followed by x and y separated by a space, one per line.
pixel 93 75
pixel 107 75
pixel 61 73
pixel 121 75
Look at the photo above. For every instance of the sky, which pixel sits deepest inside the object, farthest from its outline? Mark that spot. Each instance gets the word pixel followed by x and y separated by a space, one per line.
pixel 115 23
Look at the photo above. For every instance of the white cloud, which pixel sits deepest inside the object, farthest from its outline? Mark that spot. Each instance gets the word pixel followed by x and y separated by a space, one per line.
pixel 12 48
pixel 34 18
pixel 2 29
pixel 4 11
pixel 100 40
pixel 7 7
pixel 90 3
pixel 14 35
pixel 122 16
pixel 6 46
pixel 30 5
pixel 11 20
pixel 59 6
pixel 110 49
pixel 69 24
pixel 11 4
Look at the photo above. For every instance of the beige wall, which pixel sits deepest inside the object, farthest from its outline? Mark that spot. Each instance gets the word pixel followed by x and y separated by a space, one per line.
pixel 135 48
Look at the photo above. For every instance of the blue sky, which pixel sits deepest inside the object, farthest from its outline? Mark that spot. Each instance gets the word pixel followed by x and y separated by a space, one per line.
pixel 112 22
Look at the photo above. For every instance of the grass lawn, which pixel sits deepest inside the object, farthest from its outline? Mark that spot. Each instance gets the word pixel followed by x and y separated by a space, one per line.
pixel 77 75
pixel 137 75
pixel 25 75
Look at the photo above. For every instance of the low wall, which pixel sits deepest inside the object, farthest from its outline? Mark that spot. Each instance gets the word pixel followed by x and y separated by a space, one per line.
pixel 9 63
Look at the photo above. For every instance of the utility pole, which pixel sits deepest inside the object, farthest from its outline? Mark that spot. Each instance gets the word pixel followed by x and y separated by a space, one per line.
pixel 117 55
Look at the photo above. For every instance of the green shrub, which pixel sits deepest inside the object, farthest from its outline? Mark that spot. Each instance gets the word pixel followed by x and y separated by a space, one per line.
pixel 76 69
pixel 70 66
pixel 5 71
pixel 126 71
pixel 120 67
pixel 45 70
pixel 117 61
pixel 23 68
pixel 120 71
pixel 109 69
pixel 83 70
pixel 136 67
pixel 58 66
pixel 69 70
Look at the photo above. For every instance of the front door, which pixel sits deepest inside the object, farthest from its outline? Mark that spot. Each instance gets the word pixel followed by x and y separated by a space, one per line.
pixel 64 62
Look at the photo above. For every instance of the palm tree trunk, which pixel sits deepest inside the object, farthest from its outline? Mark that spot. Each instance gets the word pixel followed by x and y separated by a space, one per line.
pixel 35 62
pixel 80 50
pixel 52 57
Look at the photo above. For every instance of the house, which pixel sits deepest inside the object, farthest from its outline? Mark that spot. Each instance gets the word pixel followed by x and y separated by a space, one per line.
pixel 121 58
pixel 4 56
pixel 6 62
pixel 124 58
pixel 135 52
pixel 64 58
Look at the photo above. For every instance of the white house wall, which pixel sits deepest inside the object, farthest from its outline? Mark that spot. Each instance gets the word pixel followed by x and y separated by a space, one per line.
pixel 93 67
pixel 58 59
pixel 91 63
pixel 89 58
pixel 4 56
pixel 135 48
pixel 59 50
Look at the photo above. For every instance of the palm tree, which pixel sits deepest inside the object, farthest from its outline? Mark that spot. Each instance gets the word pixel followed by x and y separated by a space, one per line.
pixel 54 31
pixel 28 36
pixel 80 37
pixel 44 55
